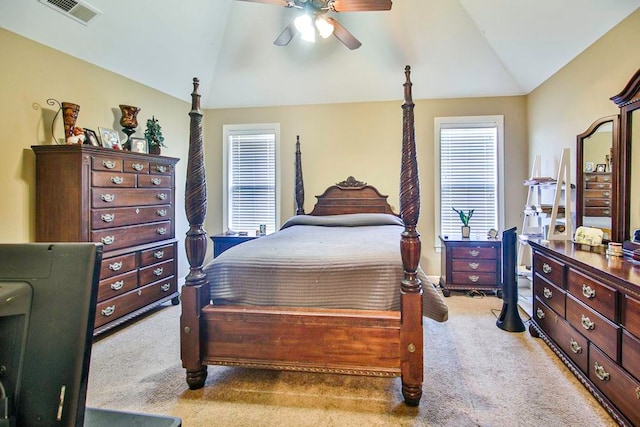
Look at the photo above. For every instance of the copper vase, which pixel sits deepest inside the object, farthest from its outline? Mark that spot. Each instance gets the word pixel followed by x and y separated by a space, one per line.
pixel 129 122
pixel 69 116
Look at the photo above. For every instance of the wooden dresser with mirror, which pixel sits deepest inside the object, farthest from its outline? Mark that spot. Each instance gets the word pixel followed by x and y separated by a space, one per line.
pixel 586 305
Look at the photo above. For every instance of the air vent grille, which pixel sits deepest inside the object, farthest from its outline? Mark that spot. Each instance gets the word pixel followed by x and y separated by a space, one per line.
pixel 77 10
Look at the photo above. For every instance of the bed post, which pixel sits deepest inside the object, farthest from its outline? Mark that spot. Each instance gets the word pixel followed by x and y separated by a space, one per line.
pixel 411 340
pixel 299 183
pixel 195 293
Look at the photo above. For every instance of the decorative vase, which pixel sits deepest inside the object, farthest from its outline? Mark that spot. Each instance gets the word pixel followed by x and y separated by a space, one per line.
pixel 155 149
pixel 129 123
pixel 466 231
pixel 69 117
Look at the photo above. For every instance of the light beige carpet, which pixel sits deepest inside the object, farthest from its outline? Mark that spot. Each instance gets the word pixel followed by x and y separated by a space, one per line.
pixel 475 375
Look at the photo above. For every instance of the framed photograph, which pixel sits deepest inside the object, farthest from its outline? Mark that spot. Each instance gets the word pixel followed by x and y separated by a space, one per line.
pixel 109 138
pixel 601 167
pixel 91 138
pixel 588 166
pixel 139 145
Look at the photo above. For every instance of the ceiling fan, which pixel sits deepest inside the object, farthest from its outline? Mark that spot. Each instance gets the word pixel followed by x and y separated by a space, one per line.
pixel 312 18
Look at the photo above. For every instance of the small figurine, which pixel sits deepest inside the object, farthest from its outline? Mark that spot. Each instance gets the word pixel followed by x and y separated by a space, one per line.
pixel 77 136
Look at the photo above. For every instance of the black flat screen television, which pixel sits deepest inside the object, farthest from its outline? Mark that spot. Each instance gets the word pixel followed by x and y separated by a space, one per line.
pixel 47 309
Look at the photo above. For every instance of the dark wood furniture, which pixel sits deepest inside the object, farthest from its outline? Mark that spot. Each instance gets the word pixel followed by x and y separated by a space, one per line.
pixel 470 264
pixel 222 242
pixel 381 343
pixel 597 193
pixel 587 308
pixel 124 201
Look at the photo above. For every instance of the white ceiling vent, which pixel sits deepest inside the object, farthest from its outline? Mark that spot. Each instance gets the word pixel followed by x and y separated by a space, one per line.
pixel 76 10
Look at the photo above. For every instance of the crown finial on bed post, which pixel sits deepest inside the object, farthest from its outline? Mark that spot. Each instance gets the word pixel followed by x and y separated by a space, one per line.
pixel 299 185
pixel 195 96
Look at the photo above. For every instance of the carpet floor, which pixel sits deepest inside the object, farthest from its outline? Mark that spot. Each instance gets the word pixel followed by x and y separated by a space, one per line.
pixel 475 373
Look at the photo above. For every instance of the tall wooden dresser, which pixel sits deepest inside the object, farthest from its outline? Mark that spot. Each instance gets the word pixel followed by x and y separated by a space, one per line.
pixel 123 200
pixel 587 308
pixel 597 193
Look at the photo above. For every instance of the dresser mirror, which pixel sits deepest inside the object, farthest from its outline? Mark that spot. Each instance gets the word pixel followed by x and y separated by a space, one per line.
pixel 628 177
pixel 595 196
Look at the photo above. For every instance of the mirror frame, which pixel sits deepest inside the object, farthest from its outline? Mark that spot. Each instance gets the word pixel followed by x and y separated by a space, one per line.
pixel 580 169
pixel 628 100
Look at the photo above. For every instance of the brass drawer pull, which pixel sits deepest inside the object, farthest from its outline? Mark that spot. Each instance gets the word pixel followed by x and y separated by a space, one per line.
pixel 107 240
pixel 117 180
pixel 109 164
pixel 165 287
pixel 606 212
pixel 115 266
pixel 474 252
pixel 162 196
pixel 156 181
pixel 116 286
pixel 588 292
pixel 161 168
pixel 606 193
pixel 158 271
pixel 108 217
pixel 540 314
pixel 547 293
pixel 607 203
pixel 474 278
pixel 158 254
pixel 575 347
pixel 546 268
pixel 161 212
pixel 161 230
pixel 108 197
pixel 137 166
pixel 600 372
pixel 108 311
pixel 474 265
pixel 638 393
pixel 587 323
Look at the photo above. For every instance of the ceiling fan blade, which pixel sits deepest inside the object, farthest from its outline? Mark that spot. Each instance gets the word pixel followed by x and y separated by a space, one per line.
pixel 359 5
pixel 285 36
pixel 283 3
pixel 344 36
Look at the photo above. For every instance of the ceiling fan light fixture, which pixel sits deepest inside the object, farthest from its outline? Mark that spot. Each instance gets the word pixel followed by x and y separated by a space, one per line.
pixel 304 24
pixel 325 28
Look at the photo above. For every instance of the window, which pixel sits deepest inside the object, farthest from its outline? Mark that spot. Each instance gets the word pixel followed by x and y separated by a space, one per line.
pixel 251 183
pixel 469 154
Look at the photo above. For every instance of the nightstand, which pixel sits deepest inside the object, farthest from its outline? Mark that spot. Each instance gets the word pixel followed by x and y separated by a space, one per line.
pixel 222 242
pixel 470 264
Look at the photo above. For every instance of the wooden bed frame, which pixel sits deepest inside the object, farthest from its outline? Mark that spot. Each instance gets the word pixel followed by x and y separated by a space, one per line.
pixel 362 342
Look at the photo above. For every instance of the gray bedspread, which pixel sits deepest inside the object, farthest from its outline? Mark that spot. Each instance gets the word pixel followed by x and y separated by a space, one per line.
pixel 339 261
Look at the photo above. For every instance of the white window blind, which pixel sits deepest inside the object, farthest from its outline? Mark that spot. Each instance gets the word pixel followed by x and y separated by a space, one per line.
pixel 252 184
pixel 469 175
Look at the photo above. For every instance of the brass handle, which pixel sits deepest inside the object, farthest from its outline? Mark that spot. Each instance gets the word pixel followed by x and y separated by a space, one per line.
pixel 606 211
pixel 158 271
pixel 156 181
pixel 540 314
pixel 587 323
pixel 115 266
pixel 607 203
pixel 108 311
pixel 116 286
pixel 162 196
pixel 107 240
pixel 575 347
pixel 546 268
pixel 108 217
pixel 606 194
pixel 588 292
pixel 109 164
pixel 161 168
pixel 474 265
pixel 638 393
pixel 161 230
pixel 474 278
pixel 117 180
pixel 137 166
pixel 108 197
pixel 161 212
pixel 474 252
pixel 602 186
pixel 165 287
pixel 547 293
pixel 158 254
pixel 600 372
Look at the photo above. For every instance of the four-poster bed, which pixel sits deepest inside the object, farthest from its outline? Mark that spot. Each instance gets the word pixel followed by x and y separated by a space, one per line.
pixel 223 326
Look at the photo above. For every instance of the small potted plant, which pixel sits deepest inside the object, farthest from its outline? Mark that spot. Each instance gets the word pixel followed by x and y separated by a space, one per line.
pixel 153 135
pixel 465 217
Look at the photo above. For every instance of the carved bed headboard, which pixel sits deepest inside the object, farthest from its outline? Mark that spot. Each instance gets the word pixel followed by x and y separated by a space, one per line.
pixel 351 196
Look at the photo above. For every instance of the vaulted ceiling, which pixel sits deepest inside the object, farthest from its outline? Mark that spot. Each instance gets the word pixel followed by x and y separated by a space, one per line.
pixel 456 48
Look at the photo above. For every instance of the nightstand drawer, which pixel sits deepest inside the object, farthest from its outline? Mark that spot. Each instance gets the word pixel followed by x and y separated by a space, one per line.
pixel 472 252
pixel 470 265
pixel 472 278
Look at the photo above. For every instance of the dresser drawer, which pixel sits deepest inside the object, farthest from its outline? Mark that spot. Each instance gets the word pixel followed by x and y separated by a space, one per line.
pixel 597 211
pixel 597 194
pixel 622 389
pixel 117 265
pixel 155 181
pixel 598 185
pixel 113 179
pixel 552 295
pixel 160 168
pixel 597 177
pixel 106 163
pixel 470 265
pixel 122 237
pixel 155 255
pixel 599 330
pixel 473 278
pixel 550 269
pixel 596 295
pixel 135 166
pixel 116 285
pixel 597 203
pixel 118 217
pixel 631 354
pixel 156 272
pixel 474 253
pixel 116 197
pixel 631 318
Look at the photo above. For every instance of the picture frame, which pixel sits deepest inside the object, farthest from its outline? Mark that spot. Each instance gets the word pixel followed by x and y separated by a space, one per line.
pixel 109 138
pixel 588 167
pixel 91 138
pixel 139 145
pixel 601 167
